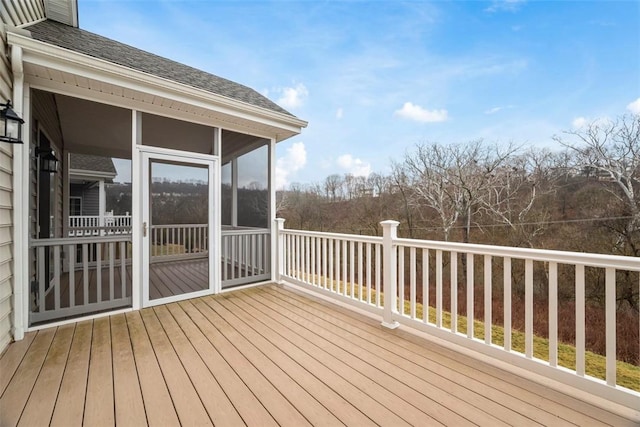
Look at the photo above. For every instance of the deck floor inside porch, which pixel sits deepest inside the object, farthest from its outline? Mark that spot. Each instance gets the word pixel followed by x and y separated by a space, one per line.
pixel 262 356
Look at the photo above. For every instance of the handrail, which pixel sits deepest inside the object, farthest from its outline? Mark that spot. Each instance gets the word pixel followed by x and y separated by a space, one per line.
pixel 544 255
pixel 79 240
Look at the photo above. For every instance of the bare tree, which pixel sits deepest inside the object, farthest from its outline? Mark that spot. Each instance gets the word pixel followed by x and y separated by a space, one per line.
pixel 514 189
pixel 333 186
pixel 611 149
pixel 454 180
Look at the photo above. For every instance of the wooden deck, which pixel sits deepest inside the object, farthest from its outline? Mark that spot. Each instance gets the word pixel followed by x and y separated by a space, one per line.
pixel 264 356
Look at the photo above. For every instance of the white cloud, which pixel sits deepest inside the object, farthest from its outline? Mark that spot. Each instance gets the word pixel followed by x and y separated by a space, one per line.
pixel 293 97
pixel 579 122
pixel 505 6
pixel 339 113
pixel 634 107
pixel 294 160
pixel 354 166
pixel 419 114
pixel 496 109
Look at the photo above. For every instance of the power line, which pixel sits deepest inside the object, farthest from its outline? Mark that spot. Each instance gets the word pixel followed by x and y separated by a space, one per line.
pixel 564 221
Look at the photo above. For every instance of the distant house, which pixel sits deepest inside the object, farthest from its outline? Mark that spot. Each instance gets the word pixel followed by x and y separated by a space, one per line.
pixel 89 99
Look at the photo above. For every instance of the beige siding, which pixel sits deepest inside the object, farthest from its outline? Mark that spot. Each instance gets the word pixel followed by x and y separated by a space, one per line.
pixel 6 204
pixel 21 12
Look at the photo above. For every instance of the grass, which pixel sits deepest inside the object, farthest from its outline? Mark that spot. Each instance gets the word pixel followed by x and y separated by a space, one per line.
pixel 627 374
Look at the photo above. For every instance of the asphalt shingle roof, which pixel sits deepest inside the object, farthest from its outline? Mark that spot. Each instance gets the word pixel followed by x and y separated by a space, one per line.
pixel 88 162
pixel 91 44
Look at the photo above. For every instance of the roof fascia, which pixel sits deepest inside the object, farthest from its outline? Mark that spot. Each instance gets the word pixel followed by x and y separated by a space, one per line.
pixel 48 55
pixel 82 173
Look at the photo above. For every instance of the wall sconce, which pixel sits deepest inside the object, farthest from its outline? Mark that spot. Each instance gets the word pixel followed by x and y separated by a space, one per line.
pixel 10 125
pixel 48 160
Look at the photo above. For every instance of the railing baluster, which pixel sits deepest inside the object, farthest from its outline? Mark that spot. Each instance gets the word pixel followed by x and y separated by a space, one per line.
pixel 439 288
pixel 425 285
pixel 453 260
pixel 360 263
pixel 506 273
pixel 580 319
pixel 369 262
pixel 337 266
pixel 99 272
pixel 553 314
pixel 352 268
pixel 528 308
pixel 401 279
pixel 85 272
pixel 71 254
pixel 56 276
pixel 378 274
pixel 41 279
pixel 312 259
pixel 344 267
pixel 487 299
pixel 123 269
pixel 325 275
pixel 412 282
pixel 610 324
pixel 112 260
pixel 331 284
pixel 470 296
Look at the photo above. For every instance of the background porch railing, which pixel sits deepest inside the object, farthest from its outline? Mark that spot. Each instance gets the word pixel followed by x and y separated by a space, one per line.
pixel 418 283
pixel 179 241
pixel 96 225
pixel 74 276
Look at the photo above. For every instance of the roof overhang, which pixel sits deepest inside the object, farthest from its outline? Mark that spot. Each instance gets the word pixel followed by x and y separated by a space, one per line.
pixel 71 73
pixel 89 175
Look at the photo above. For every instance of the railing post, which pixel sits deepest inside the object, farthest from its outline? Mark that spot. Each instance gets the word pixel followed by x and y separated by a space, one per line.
pixel 279 249
pixel 389 268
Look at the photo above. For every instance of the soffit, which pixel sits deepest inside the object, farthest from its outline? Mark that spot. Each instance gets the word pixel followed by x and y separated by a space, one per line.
pixel 61 71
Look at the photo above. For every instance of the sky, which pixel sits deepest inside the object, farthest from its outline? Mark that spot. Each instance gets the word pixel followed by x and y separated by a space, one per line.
pixel 375 78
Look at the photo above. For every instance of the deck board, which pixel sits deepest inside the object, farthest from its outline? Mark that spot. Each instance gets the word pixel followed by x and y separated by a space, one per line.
pixel 17 393
pixel 215 401
pixel 402 374
pixel 69 409
pixel 126 387
pixel 550 406
pixel 157 400
pixel 45 391
pixel 263 356
pixel 99 403
pixel 185 399
pixel 12 359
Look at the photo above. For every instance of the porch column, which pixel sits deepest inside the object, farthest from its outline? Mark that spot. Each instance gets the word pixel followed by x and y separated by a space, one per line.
pixel 21 153
pixel 389 269
pixel 136 211
pixel 234 192
pixel 102 206
pixel 271 161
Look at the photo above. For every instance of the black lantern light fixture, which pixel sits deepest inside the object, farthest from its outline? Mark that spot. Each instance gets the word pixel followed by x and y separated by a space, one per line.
pixel 48 160
pixel 11 126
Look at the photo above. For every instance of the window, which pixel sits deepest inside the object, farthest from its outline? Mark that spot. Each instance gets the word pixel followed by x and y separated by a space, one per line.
pixel 75 206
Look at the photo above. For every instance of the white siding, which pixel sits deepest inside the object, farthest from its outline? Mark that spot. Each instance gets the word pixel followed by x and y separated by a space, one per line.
pixel 21 12
pixel 6 204
pixel 64 11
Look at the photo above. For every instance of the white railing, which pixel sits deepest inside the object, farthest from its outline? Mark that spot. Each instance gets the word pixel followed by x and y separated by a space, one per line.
pixel 96 225
pixel 74 276
pixel 245 256
pixel 179 241
pixel 411 273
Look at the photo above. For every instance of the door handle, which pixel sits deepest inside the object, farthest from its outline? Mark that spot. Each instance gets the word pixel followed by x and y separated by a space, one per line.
pixel 144 229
